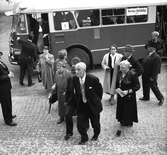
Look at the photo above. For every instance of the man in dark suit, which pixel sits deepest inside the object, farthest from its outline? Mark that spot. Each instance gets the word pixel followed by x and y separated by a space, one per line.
pixel 27 58
pixel 88 91
pixel 152 67
pixel 135 65
pixel 70 100
pixel 5 93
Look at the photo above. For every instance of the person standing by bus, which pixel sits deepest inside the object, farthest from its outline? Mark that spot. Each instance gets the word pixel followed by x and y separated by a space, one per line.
pixel 5 93
pixel 27 59
pixel 152 67
pixel 128 55
pixel 108 64
pixel 158 44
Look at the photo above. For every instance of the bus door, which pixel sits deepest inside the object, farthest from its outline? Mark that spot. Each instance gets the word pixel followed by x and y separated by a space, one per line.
pixel 39 28
pixel 19 29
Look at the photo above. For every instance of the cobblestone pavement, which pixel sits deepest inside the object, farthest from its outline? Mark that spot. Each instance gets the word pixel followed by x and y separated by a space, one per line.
pixel 38 133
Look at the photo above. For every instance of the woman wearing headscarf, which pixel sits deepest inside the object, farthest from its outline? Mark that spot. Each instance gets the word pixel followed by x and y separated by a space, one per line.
pixel 126 87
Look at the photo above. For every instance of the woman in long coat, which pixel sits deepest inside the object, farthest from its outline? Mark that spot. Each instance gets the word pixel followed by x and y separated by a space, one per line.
pixel 108 63
pixel 127 85
pixel 46 62
pixel 61 77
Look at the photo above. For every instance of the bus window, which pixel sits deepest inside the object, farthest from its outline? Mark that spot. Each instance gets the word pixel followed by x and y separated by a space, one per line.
pixel 87 18
pixel 64 20
pixel 137 15
pixel 21 25
pixel 113 16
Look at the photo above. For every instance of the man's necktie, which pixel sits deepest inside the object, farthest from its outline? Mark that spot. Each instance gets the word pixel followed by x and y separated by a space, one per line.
pixel 83 92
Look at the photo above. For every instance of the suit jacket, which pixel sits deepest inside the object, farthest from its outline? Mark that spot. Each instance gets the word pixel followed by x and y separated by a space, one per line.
pixel 5 82
pixel 136 66
pixel 28 50
pixel 93 93
pixel 158 45
pixel 152 65
pixel 70 96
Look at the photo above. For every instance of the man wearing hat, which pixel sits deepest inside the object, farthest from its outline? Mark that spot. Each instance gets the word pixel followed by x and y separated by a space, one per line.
pixel 152 66
pixel 128 55
pixel 157 42
pixel 5 93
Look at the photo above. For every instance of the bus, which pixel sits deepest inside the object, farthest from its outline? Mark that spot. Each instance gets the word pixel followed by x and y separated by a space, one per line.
pixel 85 30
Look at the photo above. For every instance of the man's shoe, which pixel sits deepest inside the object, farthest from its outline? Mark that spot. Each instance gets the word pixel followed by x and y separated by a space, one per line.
pixel 11 123
pixel 83 141
pixel 118 133
pixel 13 116
pixel 94 138
pixel 143 99
pixel 161 102
pixel 29 85
pixel 60 121
pixel 67 136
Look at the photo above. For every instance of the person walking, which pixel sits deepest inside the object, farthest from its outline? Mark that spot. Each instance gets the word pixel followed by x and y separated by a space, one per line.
pixel 70 100
pixel 126 87
pixel 27 58
pixel 108 63
pixel 152 67
pixel 88 91
pixel 5 93
pixel 61 76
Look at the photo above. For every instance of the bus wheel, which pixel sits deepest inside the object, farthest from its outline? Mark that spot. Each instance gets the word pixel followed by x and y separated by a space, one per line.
pixel 78 52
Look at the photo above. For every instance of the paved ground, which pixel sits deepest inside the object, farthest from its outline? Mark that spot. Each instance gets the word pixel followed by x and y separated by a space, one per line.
pixel 38 133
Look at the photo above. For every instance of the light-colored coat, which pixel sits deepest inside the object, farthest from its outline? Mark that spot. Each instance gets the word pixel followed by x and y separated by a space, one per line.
pixel 106 83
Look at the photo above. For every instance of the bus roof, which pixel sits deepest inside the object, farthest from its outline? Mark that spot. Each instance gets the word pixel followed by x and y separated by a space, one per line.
pixel 30 6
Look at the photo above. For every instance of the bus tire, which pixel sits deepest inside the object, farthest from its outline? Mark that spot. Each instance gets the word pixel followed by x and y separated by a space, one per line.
pixel 81 53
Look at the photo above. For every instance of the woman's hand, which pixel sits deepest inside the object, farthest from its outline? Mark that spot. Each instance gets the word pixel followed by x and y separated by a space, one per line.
pixel 11 74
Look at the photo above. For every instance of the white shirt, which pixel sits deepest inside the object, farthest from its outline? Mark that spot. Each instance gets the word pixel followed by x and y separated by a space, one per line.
pixel 82 80
pixel 113 57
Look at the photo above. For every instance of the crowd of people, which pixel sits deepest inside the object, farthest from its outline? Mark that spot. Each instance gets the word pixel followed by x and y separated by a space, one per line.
pixel 80 93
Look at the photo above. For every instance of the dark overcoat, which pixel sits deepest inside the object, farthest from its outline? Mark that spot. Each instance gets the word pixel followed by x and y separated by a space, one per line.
pixel 93 93
pixel 126 110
